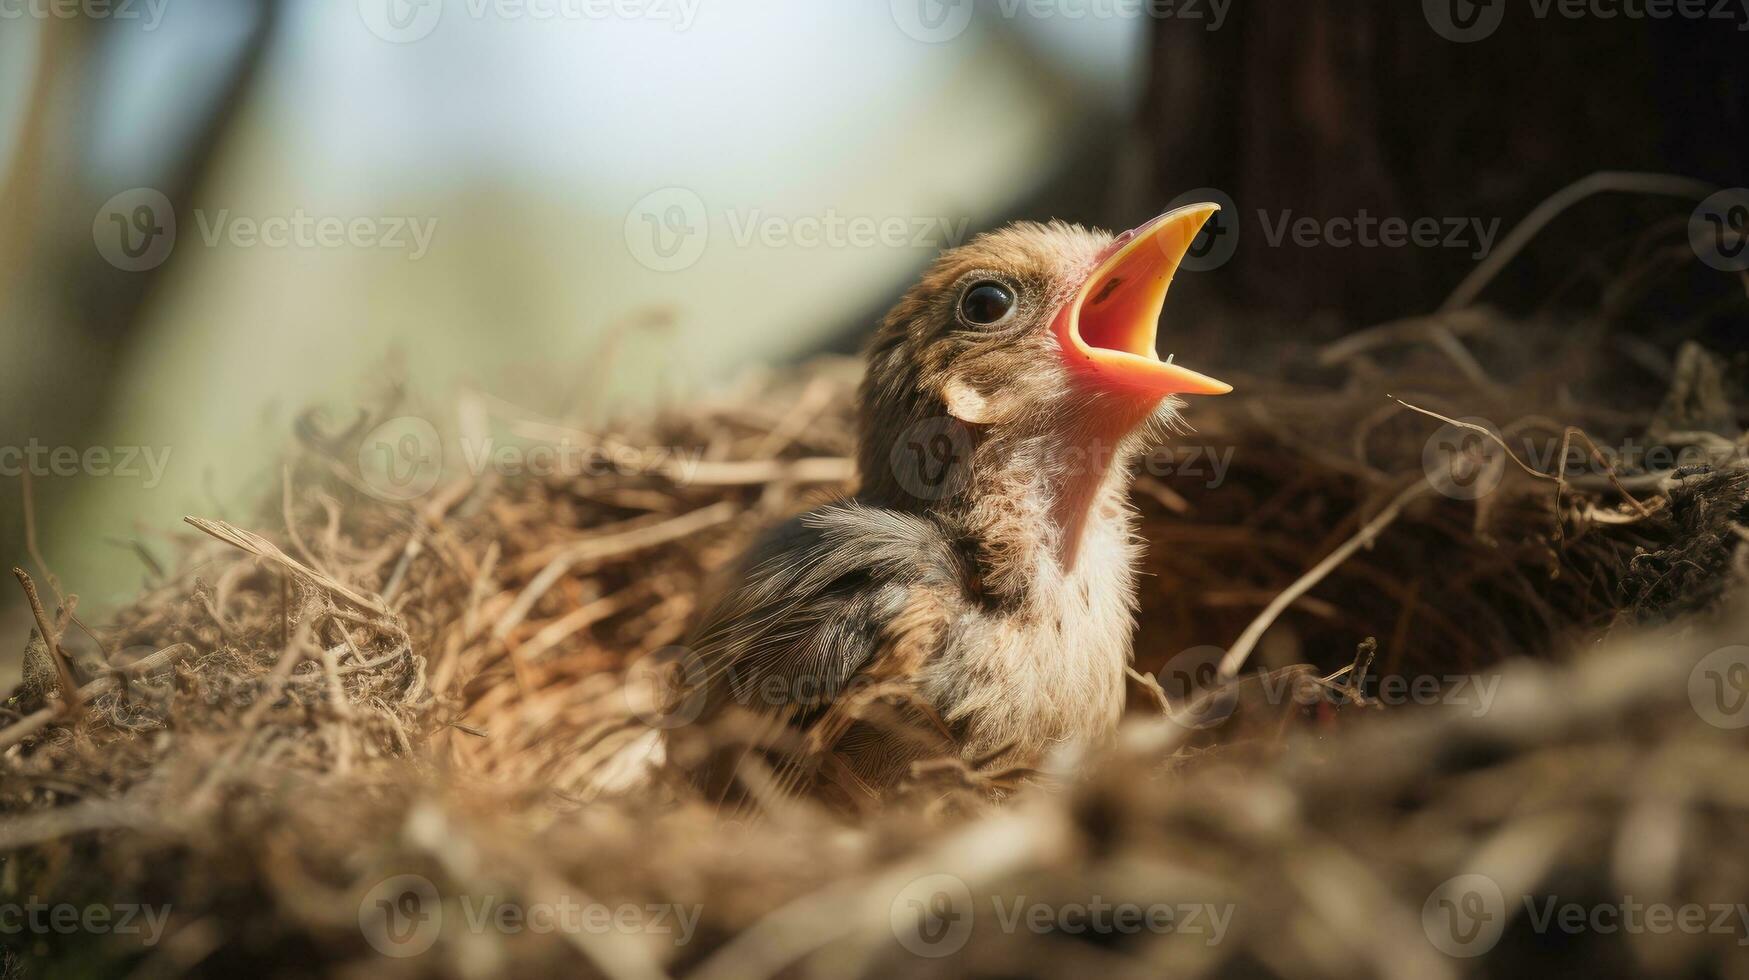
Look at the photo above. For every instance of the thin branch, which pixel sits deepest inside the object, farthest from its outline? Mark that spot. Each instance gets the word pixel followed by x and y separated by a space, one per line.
pixel 1247 641
pixel 260 547
pixel 37 720
pixel 1668 185
pixel 64 679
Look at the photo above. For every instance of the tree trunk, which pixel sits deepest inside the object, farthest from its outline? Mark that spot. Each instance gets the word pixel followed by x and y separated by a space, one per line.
pixel 1351 109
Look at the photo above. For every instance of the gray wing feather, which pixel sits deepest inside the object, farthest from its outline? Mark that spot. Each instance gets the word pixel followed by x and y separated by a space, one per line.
pixel 811 602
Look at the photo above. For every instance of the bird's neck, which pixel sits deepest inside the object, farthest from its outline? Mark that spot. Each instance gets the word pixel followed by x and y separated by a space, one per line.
pixel 1032 503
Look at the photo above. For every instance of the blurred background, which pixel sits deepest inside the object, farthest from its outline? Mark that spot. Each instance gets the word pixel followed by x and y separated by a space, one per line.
pixel 225 213
pixel 497 159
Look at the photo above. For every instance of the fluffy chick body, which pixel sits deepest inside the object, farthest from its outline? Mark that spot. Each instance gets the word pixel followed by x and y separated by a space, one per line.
pixel 995 582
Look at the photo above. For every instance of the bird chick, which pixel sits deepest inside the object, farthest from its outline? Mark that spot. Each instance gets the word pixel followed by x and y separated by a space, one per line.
pixel 978 592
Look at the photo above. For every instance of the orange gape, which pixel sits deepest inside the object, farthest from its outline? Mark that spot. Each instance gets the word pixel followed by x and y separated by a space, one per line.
pixel 1106 332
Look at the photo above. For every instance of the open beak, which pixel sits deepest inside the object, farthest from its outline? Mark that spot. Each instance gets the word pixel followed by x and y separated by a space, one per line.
pixel 1106 331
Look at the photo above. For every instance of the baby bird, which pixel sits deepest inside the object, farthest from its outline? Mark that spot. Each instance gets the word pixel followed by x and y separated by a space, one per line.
pixel 978 593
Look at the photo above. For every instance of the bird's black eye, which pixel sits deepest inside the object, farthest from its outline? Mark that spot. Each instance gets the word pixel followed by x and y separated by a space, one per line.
pixel 986 303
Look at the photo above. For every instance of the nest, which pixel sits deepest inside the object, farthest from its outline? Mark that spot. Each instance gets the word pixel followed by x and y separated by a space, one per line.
pixel 361 735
